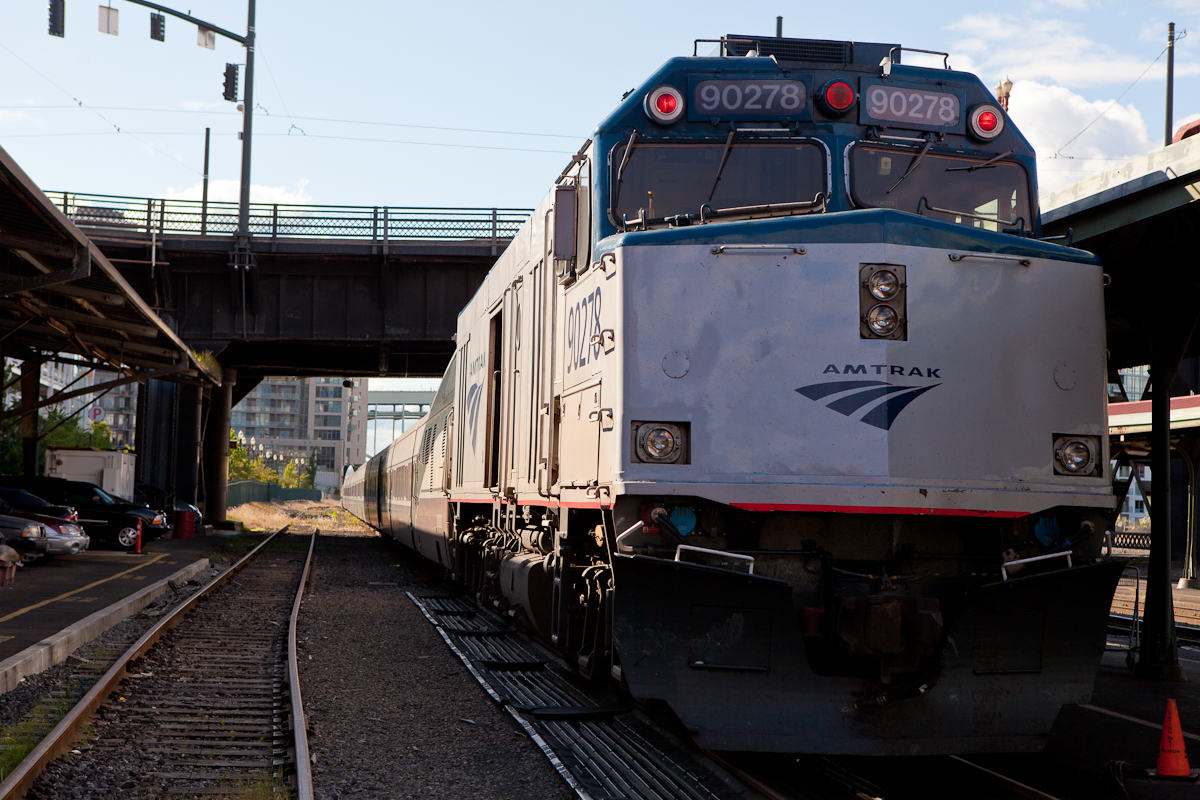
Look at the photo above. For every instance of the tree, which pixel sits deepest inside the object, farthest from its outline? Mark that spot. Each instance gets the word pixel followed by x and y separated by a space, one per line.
pixel 244 468
pixel 291 476
pixel 310 475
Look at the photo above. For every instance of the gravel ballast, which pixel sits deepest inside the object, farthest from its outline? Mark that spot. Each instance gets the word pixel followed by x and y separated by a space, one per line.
pixel 392 712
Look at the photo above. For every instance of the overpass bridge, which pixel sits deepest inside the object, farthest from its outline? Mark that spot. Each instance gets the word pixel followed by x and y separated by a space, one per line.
pixel 331 290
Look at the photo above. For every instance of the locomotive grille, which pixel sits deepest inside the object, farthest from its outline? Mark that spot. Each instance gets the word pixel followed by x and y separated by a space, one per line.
pixel 793 49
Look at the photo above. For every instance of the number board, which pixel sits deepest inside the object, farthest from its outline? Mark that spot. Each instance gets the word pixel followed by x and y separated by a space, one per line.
pixel 750 98
pixel 899 106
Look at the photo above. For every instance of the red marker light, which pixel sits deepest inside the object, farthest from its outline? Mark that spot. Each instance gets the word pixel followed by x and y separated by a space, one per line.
pixel 988 122
pixel 666 103
pixel 839 96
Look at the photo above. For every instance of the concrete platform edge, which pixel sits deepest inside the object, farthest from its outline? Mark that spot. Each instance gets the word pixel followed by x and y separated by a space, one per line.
pixel 53 649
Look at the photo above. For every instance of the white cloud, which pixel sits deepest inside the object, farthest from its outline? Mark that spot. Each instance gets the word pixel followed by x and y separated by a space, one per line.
pixel 12 116
pixel 1050 50
pixel 230 190
pixel 1050 116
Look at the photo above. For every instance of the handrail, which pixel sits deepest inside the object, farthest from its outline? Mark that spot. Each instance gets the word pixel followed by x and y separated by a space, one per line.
pixel 59 740
pixel 146 218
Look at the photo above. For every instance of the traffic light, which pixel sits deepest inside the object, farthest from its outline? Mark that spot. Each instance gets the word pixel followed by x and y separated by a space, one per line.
pixel 57 17
pixel 158 27
pixel 231 78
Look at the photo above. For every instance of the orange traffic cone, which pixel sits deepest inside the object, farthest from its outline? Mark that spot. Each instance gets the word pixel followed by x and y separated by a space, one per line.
pixel 1172 749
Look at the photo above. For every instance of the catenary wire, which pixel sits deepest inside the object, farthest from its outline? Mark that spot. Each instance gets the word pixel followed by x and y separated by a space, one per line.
pixel 81 104
pixel 306 119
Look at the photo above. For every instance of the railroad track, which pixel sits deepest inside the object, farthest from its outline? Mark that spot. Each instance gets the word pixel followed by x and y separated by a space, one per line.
pixel 605 746
pixel 207 702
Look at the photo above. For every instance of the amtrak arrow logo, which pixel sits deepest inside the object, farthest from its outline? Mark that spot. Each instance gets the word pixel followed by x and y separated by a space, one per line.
pixel 857 394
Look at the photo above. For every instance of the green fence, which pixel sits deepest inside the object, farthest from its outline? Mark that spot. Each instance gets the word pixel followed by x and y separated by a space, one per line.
pixel 255 492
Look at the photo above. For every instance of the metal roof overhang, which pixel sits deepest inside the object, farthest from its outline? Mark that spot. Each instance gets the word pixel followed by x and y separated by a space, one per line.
pixel 1143 220
pixel 60 295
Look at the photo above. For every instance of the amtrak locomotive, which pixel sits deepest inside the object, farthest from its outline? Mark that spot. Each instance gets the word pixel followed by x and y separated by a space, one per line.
pixel 778 411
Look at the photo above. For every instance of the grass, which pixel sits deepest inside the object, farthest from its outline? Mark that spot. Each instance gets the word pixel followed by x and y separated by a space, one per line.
pixel 18 740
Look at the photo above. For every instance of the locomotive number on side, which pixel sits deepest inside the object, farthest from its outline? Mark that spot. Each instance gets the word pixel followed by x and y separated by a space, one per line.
pixel 583 323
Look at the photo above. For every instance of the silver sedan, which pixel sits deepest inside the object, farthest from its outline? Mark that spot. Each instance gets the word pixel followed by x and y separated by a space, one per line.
pixel 68 540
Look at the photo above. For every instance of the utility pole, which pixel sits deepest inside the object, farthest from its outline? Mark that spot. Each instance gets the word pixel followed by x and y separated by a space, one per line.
pixel 1170 82
pixel 247 122
pixel 246 41
pixel 204 188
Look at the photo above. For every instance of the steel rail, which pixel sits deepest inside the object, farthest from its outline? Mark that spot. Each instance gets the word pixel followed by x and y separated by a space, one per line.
pixel 304 784
pixel 65 733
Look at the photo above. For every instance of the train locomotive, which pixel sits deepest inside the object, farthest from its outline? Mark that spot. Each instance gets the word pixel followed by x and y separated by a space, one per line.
pixel 778 412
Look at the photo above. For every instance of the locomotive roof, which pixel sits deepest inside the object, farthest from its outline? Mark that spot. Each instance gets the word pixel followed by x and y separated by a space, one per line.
pixel 864 68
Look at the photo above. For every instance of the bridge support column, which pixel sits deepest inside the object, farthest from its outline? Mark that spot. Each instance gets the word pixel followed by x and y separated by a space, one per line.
pixel 216 449
pixel 31 389
pixel 187 442
pixel 1159 657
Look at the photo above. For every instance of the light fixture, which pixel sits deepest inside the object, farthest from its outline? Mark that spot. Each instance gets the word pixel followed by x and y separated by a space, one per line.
pixel 664 105
pixel 883 320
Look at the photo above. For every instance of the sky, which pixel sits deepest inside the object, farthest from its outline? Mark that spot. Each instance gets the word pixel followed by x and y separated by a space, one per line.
pixel 474 104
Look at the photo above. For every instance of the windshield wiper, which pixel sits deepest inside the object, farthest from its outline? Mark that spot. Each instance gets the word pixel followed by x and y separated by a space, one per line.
pixel 913 165
pixel 968 214
pixel 621 169
pixel 720 169
pixel 990 163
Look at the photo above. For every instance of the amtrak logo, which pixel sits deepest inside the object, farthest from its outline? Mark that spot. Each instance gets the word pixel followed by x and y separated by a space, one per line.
pixel 855 395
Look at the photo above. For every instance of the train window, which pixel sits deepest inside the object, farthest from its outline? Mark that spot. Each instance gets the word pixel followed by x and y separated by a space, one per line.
pixel 967 190
pixel 677 178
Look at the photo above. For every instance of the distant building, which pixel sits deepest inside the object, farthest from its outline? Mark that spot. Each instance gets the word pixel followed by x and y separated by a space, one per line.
pixel 286 419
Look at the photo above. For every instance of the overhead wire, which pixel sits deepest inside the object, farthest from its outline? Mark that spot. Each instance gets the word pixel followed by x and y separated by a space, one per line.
pixel 308 136
pixel 1058 152
pixel 81 104
pixel 313 119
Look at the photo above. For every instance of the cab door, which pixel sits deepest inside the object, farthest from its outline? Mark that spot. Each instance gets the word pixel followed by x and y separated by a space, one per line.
pixel 580 415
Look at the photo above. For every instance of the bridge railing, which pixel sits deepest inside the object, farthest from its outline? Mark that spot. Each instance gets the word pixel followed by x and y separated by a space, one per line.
pixel 143 217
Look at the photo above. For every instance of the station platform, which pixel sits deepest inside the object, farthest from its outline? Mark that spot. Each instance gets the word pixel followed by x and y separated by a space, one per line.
pixel 57 601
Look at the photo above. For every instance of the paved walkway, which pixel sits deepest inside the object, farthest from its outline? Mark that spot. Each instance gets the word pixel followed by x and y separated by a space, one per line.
pixel 47 597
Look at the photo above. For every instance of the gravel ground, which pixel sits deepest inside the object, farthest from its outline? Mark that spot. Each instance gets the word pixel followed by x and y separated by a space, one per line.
pixel 84 667
pixel 392 712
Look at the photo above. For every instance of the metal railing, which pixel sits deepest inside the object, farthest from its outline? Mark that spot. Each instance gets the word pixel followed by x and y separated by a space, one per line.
pixel 1131 541
pixel 146 218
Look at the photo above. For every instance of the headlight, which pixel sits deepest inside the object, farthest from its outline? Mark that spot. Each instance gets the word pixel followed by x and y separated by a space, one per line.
pixel 664 104
pixel 32 531
pixel 883 285
pixel 1076 455
pixel 159 519
pixel 659 442
pixel 69 530
pixel 883 320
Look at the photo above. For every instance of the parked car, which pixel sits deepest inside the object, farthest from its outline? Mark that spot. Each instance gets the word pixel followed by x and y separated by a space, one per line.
pixel 66 538
pixel 23 500
pixel 108 520
pixel 27 538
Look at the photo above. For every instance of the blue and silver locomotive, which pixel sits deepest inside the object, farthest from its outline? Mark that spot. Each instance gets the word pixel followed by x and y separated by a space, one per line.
pixel 778 411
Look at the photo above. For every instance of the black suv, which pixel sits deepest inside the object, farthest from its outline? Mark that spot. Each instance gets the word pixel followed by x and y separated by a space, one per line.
pixel 110 521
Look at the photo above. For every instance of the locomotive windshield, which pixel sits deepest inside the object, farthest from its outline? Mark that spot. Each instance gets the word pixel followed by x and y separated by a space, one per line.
pixel 989 194
pixel 669 179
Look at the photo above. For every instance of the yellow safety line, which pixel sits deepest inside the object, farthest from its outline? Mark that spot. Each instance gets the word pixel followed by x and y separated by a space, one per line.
pixel 19 612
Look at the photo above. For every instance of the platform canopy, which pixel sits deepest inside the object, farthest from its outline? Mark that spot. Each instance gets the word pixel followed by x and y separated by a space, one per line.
pixel 1143 220
pixel 62 299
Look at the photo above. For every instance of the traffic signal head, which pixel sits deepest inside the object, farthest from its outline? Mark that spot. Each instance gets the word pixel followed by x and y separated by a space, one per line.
pixel 158 27
pixel 57 17
pixel 231 81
